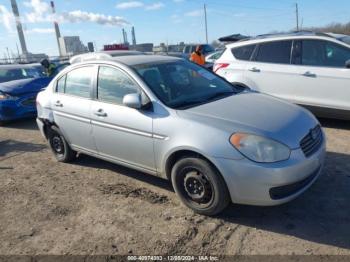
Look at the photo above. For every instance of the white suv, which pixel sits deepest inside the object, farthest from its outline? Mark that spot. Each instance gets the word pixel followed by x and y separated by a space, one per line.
pixel 310 69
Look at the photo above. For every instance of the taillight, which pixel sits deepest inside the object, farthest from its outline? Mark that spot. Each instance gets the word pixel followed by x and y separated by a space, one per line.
pixel 220 66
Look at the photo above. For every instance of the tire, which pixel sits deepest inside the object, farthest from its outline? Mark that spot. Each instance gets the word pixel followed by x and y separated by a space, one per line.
pixel 59 145
pixel 200 186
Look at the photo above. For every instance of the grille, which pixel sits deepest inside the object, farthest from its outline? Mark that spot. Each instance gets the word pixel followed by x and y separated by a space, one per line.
pixel 312 141
pixel 29 101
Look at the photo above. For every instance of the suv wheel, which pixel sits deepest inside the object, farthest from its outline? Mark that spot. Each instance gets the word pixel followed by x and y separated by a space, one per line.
pixel 59 145
pixel 200 186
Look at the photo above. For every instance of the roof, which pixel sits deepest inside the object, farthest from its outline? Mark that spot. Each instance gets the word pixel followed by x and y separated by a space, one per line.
pixel 144 59
pixel 122 52
pixel 288 34
pixel 18 66
pixel 233 38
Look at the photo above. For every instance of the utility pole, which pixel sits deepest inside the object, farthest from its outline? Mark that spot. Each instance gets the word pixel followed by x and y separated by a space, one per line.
pixel 8 54
pixel 18 55
pixel 297 15
pixel 206 25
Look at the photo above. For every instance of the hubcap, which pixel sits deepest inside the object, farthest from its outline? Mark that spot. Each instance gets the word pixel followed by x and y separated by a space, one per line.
pixel 198 187
pixel 57 144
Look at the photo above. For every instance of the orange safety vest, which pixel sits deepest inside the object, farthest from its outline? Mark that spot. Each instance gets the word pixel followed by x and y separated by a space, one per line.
pixel 198 59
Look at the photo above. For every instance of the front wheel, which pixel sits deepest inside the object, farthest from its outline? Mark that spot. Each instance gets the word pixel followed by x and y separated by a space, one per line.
pixel 59 145
pixel 200 186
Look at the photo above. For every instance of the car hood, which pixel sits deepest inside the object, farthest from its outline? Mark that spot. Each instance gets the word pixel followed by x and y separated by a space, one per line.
pixel 258 114
pixel 24 86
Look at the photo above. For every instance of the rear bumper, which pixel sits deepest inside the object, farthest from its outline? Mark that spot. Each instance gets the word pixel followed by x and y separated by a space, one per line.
pixel 41 125
pixel 271 184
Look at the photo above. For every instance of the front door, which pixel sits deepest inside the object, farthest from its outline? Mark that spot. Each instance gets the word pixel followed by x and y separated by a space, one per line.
pixel 322 78
pixel 121 133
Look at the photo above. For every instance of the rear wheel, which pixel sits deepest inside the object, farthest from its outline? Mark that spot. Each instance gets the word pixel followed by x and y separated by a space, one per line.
pixel 200 186
pixel 59 145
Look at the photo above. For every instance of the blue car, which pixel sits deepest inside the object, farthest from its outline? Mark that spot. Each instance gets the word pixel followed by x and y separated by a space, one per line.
pixel 19 86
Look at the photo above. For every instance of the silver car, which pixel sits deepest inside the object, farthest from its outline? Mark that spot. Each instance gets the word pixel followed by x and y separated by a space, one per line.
pixel 171 118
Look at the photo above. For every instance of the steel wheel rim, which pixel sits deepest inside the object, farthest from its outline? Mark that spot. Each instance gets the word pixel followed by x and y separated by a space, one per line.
pixel 197 188
pixel 57 145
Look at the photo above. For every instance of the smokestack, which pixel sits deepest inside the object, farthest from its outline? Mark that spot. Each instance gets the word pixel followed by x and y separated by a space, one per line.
pixel 125 37
pixel 133 37
pixel 57 29
pixel 19 27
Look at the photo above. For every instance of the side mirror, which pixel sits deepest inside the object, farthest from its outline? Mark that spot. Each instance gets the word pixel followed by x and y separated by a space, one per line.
pixel 347 64
pixel 133 101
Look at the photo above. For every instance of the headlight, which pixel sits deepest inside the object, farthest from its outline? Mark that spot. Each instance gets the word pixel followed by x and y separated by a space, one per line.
pixel 259 149
pixel 4 96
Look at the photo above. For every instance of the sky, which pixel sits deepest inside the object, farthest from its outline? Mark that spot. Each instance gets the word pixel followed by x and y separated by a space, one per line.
pixel 159 21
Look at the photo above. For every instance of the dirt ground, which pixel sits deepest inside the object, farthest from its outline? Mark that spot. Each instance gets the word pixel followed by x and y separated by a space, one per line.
pixel 94 207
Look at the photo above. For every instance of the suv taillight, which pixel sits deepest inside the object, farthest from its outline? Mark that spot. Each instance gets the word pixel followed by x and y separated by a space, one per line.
pixel 220 66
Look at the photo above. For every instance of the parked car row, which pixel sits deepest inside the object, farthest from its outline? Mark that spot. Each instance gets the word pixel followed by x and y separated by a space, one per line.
pixel 217 137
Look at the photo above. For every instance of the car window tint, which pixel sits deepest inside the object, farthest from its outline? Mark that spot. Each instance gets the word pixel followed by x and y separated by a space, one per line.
pixel 243 52
pixel 113 85
pixel 78 82
pixel 297 52
pixel 176 82
pixel 61 85
pixel 274 52
pixel 17 74
pixel 207 49
pixel 324 53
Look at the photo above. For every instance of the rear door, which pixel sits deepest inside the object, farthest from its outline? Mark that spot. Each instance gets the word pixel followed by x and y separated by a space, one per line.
pixel 270 70
pixel 322 79
pixel 71 104
pixel 121 133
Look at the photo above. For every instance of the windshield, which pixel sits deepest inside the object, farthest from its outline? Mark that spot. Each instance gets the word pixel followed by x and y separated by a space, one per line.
pixel 183 84
pixel 11 74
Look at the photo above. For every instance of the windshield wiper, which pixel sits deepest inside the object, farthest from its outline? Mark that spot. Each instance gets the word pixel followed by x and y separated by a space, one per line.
pixel 188 103
pixel 220 95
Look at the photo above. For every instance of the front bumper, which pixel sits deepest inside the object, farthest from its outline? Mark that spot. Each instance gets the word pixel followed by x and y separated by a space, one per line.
pixel 22 107
pixel 274 183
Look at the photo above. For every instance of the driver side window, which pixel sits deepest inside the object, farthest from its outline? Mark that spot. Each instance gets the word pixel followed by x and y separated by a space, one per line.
pixel 113 85
pixel 324 53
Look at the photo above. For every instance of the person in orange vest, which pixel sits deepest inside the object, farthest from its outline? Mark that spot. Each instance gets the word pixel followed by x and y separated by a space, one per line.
pixel 197 56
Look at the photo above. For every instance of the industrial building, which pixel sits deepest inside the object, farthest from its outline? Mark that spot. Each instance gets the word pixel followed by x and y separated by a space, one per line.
pixel 71 45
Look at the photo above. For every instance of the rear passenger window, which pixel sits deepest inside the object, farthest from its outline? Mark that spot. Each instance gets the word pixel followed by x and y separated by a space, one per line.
pixel 78 81
pixel 61 83
pixel 113 85
pixel 243 52
pixel 274 52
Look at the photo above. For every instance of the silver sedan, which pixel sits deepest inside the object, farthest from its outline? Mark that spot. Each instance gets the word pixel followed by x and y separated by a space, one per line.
pixel 171 118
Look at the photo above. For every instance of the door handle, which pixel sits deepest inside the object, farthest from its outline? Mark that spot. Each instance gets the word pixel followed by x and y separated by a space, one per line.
pixel 309 74
pixel 254 69
pixel 58 104
pixel 101 113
